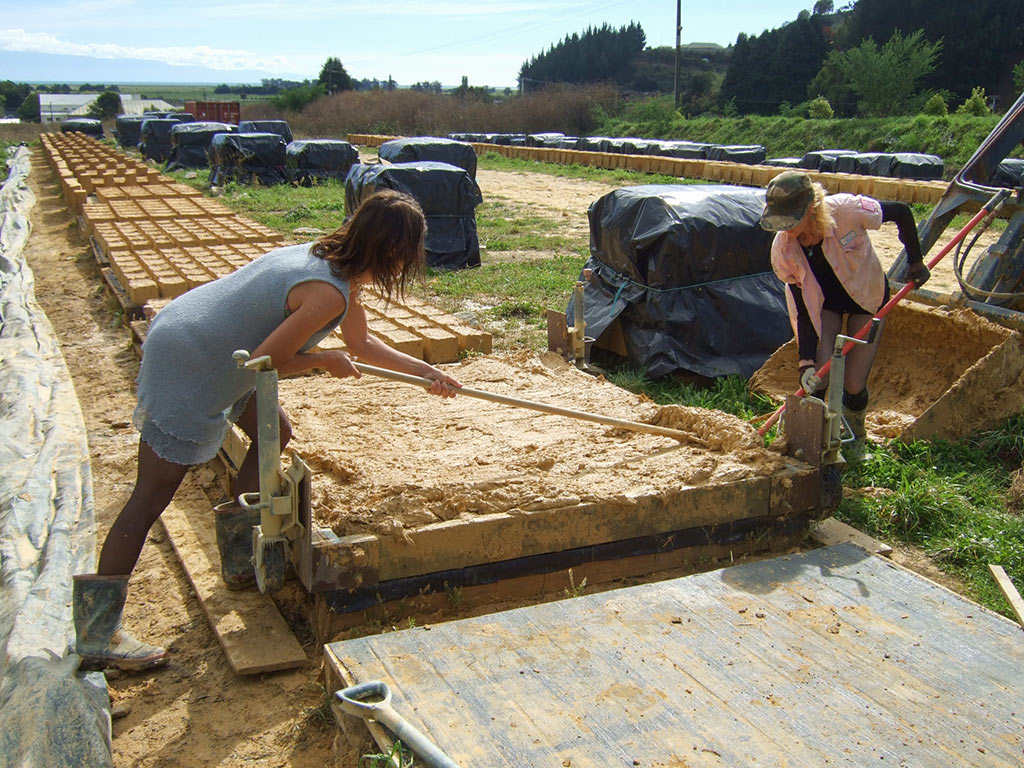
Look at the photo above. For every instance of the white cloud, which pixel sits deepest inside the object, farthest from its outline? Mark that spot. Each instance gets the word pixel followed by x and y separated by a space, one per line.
pixel 19 40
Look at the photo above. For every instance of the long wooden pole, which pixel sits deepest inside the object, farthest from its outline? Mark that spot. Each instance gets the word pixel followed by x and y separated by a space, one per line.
pixel 633 426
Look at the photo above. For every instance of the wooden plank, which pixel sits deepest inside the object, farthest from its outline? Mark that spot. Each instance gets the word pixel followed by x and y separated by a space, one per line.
pixel 248 625
pixel 1009 591
pixel 805 660
pixel 831 531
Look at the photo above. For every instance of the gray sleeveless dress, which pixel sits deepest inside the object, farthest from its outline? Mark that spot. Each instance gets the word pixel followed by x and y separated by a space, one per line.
pixel 189 388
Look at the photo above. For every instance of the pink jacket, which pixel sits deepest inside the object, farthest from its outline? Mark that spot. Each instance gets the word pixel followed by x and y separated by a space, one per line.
pixel 847 249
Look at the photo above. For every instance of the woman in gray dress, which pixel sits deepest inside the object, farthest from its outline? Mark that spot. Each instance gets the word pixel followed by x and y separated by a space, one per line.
pixel 190 389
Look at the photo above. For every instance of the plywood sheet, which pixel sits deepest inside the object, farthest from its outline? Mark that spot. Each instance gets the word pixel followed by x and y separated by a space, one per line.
pixel 832 657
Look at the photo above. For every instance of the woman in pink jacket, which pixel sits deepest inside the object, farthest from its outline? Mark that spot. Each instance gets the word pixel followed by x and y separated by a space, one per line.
pixel 824 255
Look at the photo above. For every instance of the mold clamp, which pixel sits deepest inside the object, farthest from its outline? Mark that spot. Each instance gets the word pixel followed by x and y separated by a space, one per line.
pixel 278 497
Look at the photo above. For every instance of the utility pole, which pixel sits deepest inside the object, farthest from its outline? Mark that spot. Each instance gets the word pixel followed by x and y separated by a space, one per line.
pixel 679 28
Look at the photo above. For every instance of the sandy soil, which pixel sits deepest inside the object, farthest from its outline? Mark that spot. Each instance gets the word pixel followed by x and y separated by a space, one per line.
pixel 198 712
pixel 454 459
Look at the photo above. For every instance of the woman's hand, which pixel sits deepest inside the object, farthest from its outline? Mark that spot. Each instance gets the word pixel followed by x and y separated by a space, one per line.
pixel 442 384
pixel 339 364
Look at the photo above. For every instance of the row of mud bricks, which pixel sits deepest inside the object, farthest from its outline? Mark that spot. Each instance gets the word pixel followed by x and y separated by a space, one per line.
pixel 904 190
pixel 162 238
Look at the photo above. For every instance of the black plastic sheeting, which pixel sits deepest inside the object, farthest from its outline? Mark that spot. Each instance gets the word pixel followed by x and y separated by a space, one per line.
pixel 824 160
pixel 1009 173
pixel 430 149
pixel 687 270
pixel 155 138
pixel 86 125
pixel 128 130
pixel 904 165
pixel 313 160
pixel 784 162
pixel 448 195
pixel 54 716
pixel 248 158
pixel 549 139
pixel 912 165
pixel 750 154
pixel 190 144
pixel 280 127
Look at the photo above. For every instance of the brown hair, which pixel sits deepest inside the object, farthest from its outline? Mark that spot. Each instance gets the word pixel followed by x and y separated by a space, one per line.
pixel 385 237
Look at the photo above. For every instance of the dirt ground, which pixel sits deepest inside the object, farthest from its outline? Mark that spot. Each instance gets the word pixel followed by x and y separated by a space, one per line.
pixel 198 712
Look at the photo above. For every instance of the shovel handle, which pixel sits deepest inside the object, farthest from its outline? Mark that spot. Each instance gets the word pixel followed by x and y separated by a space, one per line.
pixel 352 701
pixel 634 426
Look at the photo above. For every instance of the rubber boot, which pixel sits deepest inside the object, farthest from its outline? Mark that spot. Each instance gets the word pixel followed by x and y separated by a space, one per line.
pixel 234 541
pixel 856 452
pixel 97 605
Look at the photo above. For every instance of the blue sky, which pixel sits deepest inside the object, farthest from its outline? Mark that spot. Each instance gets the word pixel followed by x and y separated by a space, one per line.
pixel 226 41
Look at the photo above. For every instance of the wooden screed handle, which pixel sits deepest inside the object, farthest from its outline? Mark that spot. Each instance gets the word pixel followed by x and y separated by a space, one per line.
pixel 634 426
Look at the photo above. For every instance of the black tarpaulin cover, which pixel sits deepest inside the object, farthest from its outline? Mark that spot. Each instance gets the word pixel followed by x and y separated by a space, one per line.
pixel 824 159
pixel 247 158
pixel 687 270
pixel 155 138
pixel 128 129
pixel 913 165
pixel 1009 173
pixel 430 149
pixel 751 154
pixel 448 196
pixel 318 159
pixel 280 127
pixel 190 143
pixel 87 125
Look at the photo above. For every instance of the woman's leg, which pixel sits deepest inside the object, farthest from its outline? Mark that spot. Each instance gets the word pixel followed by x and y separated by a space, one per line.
pixel 155 484
pixel 860 359
pixel 248 479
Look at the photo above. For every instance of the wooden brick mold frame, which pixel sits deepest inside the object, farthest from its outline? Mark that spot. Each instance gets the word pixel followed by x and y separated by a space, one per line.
pixel 500 556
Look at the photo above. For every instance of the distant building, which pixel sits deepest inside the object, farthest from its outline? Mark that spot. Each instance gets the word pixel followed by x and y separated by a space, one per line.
pixel 54 107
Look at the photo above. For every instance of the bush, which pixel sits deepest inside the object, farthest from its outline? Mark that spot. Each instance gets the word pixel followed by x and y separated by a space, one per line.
pixel 820 109
pixel 975 104
pixel 936 106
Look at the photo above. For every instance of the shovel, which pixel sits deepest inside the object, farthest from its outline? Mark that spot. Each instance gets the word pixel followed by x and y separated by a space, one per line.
pixel 372 701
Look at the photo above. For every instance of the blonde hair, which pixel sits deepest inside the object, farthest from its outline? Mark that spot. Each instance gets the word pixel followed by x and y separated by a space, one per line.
pixel 821 216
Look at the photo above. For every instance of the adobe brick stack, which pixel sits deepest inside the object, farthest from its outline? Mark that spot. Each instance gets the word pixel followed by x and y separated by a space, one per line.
pixel 161 238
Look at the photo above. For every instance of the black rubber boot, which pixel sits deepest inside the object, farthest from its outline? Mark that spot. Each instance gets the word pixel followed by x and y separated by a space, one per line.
pixel 97 605
pixel 234 541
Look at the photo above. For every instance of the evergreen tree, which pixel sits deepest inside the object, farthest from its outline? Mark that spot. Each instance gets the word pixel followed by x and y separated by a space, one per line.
pixel 333 76
pixel 601 53
pixel 107 104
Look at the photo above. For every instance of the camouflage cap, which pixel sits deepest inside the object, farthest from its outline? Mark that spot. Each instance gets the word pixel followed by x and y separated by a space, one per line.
pixel 787 199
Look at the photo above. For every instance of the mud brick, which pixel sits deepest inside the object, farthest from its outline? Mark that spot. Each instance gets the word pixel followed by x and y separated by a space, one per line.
pixel 184 207
pixel 155 208
pixel 184 190
pixel 107 194
pixel 439 345
pixel 398 338
pixel 123 263
pixel 141 289
pixel 127 209
pixel 213 207
pixel 172 285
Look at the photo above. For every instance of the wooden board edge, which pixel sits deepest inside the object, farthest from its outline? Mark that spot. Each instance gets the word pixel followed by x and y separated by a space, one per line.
pixel 188 523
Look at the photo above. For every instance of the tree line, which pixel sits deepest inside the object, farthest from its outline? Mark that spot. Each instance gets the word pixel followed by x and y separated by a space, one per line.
pixel 599 53
pixel 878 58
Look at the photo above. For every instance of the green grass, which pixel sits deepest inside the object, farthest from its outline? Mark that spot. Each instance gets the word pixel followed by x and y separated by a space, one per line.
pixel 502 227
pixel 949 499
